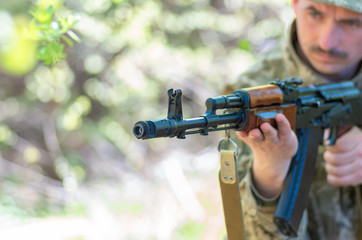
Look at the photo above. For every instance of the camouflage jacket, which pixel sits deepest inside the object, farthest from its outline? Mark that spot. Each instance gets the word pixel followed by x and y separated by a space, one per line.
pixel 332 212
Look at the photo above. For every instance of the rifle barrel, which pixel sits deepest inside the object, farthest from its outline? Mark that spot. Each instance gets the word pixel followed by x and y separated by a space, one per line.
pixel 169 127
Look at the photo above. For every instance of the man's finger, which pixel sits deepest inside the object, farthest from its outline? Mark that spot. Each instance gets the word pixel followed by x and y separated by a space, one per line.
pixel 283 126
pixel 252 135
pixel 242 134
pixel 344 143
pixel 346 180
pixel 270 133
pixel 256 135
pixel 341 170
pixel 339 159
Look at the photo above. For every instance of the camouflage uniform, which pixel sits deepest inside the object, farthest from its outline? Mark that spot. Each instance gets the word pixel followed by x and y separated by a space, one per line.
pixel 332 212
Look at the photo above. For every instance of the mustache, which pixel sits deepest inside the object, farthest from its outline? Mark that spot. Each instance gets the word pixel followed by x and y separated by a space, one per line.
pixel 332 52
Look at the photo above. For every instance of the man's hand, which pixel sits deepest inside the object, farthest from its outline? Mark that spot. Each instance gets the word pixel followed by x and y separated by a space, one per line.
pixel 273 150
pixel 344 159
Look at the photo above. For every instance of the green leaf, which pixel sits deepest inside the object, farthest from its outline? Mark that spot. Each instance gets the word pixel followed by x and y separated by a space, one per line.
pixel 71 21
pixel 244 44
pixel 117 1
pixel 73 36
pixel 43 16
pixel 65 26
pixel 51 53
pixel 50 10
pixel 49 33
pixel 68 40
pixel 190 231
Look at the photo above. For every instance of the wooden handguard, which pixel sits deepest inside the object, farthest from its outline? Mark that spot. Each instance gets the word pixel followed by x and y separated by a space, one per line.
pixel 264 103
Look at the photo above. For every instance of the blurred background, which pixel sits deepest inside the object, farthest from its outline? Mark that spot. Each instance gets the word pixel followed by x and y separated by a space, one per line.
pixel 70 167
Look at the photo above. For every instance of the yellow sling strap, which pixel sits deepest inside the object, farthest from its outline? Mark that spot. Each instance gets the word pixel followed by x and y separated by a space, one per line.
pixel 230 192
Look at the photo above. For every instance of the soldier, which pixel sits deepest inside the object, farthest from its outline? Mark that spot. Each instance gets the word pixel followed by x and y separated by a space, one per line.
pixel 323 45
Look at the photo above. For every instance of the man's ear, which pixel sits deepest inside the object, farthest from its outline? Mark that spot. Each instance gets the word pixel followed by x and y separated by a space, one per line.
pixel 294 5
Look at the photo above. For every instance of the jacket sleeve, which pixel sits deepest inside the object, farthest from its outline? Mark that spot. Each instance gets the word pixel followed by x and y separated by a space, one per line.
pixel 258 211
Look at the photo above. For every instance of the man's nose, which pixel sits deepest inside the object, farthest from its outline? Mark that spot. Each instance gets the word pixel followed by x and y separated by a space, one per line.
pixel 329 36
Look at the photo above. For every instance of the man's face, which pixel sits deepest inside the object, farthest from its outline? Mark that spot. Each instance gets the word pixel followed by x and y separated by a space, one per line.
pixel 329 36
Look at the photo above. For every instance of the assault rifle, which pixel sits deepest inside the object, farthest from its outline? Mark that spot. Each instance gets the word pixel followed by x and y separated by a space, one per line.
pixel 309 109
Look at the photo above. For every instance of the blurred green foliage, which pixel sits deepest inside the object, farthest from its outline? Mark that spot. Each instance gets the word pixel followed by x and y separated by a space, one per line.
pixel 17 55
pixel 48 33
pixel 189 231
pixel 67 126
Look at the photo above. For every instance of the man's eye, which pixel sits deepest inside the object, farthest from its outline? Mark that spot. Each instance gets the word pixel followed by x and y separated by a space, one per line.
pixel 314 14
pixel 352 24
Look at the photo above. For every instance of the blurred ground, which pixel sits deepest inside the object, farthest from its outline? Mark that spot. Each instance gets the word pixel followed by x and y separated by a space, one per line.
pixel 182 201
